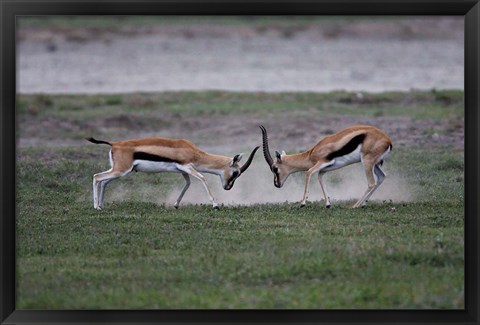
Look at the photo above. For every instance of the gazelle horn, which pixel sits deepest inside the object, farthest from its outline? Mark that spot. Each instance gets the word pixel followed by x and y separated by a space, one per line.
pixel 266 152
pixel 249 161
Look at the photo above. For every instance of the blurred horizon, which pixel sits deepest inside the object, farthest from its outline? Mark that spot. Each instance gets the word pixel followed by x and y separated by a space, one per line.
pixel 118 54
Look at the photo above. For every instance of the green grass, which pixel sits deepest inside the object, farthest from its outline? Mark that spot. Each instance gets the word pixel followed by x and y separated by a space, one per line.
pixel 415 104
pixel 140 252
pixel 139 255
pixel 144 256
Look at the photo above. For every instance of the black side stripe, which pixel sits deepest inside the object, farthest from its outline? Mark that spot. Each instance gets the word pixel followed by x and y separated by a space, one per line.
pixel 348 148
pixel 150 157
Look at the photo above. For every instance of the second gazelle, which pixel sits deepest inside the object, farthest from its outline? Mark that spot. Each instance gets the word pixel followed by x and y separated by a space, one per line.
pixel 359 143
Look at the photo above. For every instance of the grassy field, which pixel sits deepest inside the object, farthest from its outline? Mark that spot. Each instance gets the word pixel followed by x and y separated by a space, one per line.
pixel 139 252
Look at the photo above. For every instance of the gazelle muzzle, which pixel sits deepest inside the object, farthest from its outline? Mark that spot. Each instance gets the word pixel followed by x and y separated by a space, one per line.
pixel 236 174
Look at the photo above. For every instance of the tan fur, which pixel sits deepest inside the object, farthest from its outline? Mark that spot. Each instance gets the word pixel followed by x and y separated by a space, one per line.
pixel 375 141
pixel 315 159
pixel 187 159
pixel 179 150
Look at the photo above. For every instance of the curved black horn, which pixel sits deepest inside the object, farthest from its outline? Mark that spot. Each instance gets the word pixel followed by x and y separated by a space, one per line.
pixel 249 161
pixel 266 152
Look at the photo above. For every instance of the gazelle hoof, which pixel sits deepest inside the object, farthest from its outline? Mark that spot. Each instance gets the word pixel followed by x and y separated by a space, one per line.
pixel 302 205
pixel 328 206
pixel 216 207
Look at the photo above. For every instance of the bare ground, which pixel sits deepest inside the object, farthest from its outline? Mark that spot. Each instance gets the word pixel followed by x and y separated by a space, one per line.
pixel 292 133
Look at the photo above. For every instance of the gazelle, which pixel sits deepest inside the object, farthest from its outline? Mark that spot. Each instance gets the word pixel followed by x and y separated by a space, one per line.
pixel 166 155
pixel 351 145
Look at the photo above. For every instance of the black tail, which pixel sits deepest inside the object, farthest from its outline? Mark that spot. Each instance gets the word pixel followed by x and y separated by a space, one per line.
pixel 98 141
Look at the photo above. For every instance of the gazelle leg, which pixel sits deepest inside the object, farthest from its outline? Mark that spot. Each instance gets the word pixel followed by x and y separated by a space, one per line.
pixel 185 188
pixel 322 186
pixel 319 165
pixel 372 184
pixel 103 184
pixel 305 193
pixel 96 187
pixel 100 181
pixel 380 177
pixel 191 171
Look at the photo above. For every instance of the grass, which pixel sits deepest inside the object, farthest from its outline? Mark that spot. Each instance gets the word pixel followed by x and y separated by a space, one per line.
pixel 140 255
pixel 145 256
pixel 415 104
pixel 139 252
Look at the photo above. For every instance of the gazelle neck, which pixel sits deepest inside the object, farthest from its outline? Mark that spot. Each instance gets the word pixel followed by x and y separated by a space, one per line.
pixel 210 163
pixel 297 162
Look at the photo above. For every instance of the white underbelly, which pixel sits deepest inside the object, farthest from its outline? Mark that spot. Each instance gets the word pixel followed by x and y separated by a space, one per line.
pixel 342 161
pixel 154 166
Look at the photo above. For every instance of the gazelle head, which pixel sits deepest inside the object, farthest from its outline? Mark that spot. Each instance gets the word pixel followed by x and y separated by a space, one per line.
pixel 234 170
pixel 278 168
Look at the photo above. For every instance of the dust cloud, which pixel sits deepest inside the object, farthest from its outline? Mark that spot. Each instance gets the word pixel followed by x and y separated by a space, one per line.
pixel 256 187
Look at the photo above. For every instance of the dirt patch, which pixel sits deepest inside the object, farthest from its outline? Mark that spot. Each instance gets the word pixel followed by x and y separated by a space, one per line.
pixel 241 132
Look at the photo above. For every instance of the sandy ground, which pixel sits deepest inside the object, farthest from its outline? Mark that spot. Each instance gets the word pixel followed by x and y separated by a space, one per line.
pixel 421 53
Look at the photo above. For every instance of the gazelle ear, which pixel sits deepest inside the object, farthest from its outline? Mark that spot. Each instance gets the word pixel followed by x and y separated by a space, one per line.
pixel 236 159
pixel 279 156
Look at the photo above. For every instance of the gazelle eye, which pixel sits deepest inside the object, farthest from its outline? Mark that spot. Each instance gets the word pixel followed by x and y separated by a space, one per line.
pixel 275 170
pixel 235 174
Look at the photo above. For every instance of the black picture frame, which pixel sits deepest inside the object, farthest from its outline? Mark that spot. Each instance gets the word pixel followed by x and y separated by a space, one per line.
pixel 10 9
